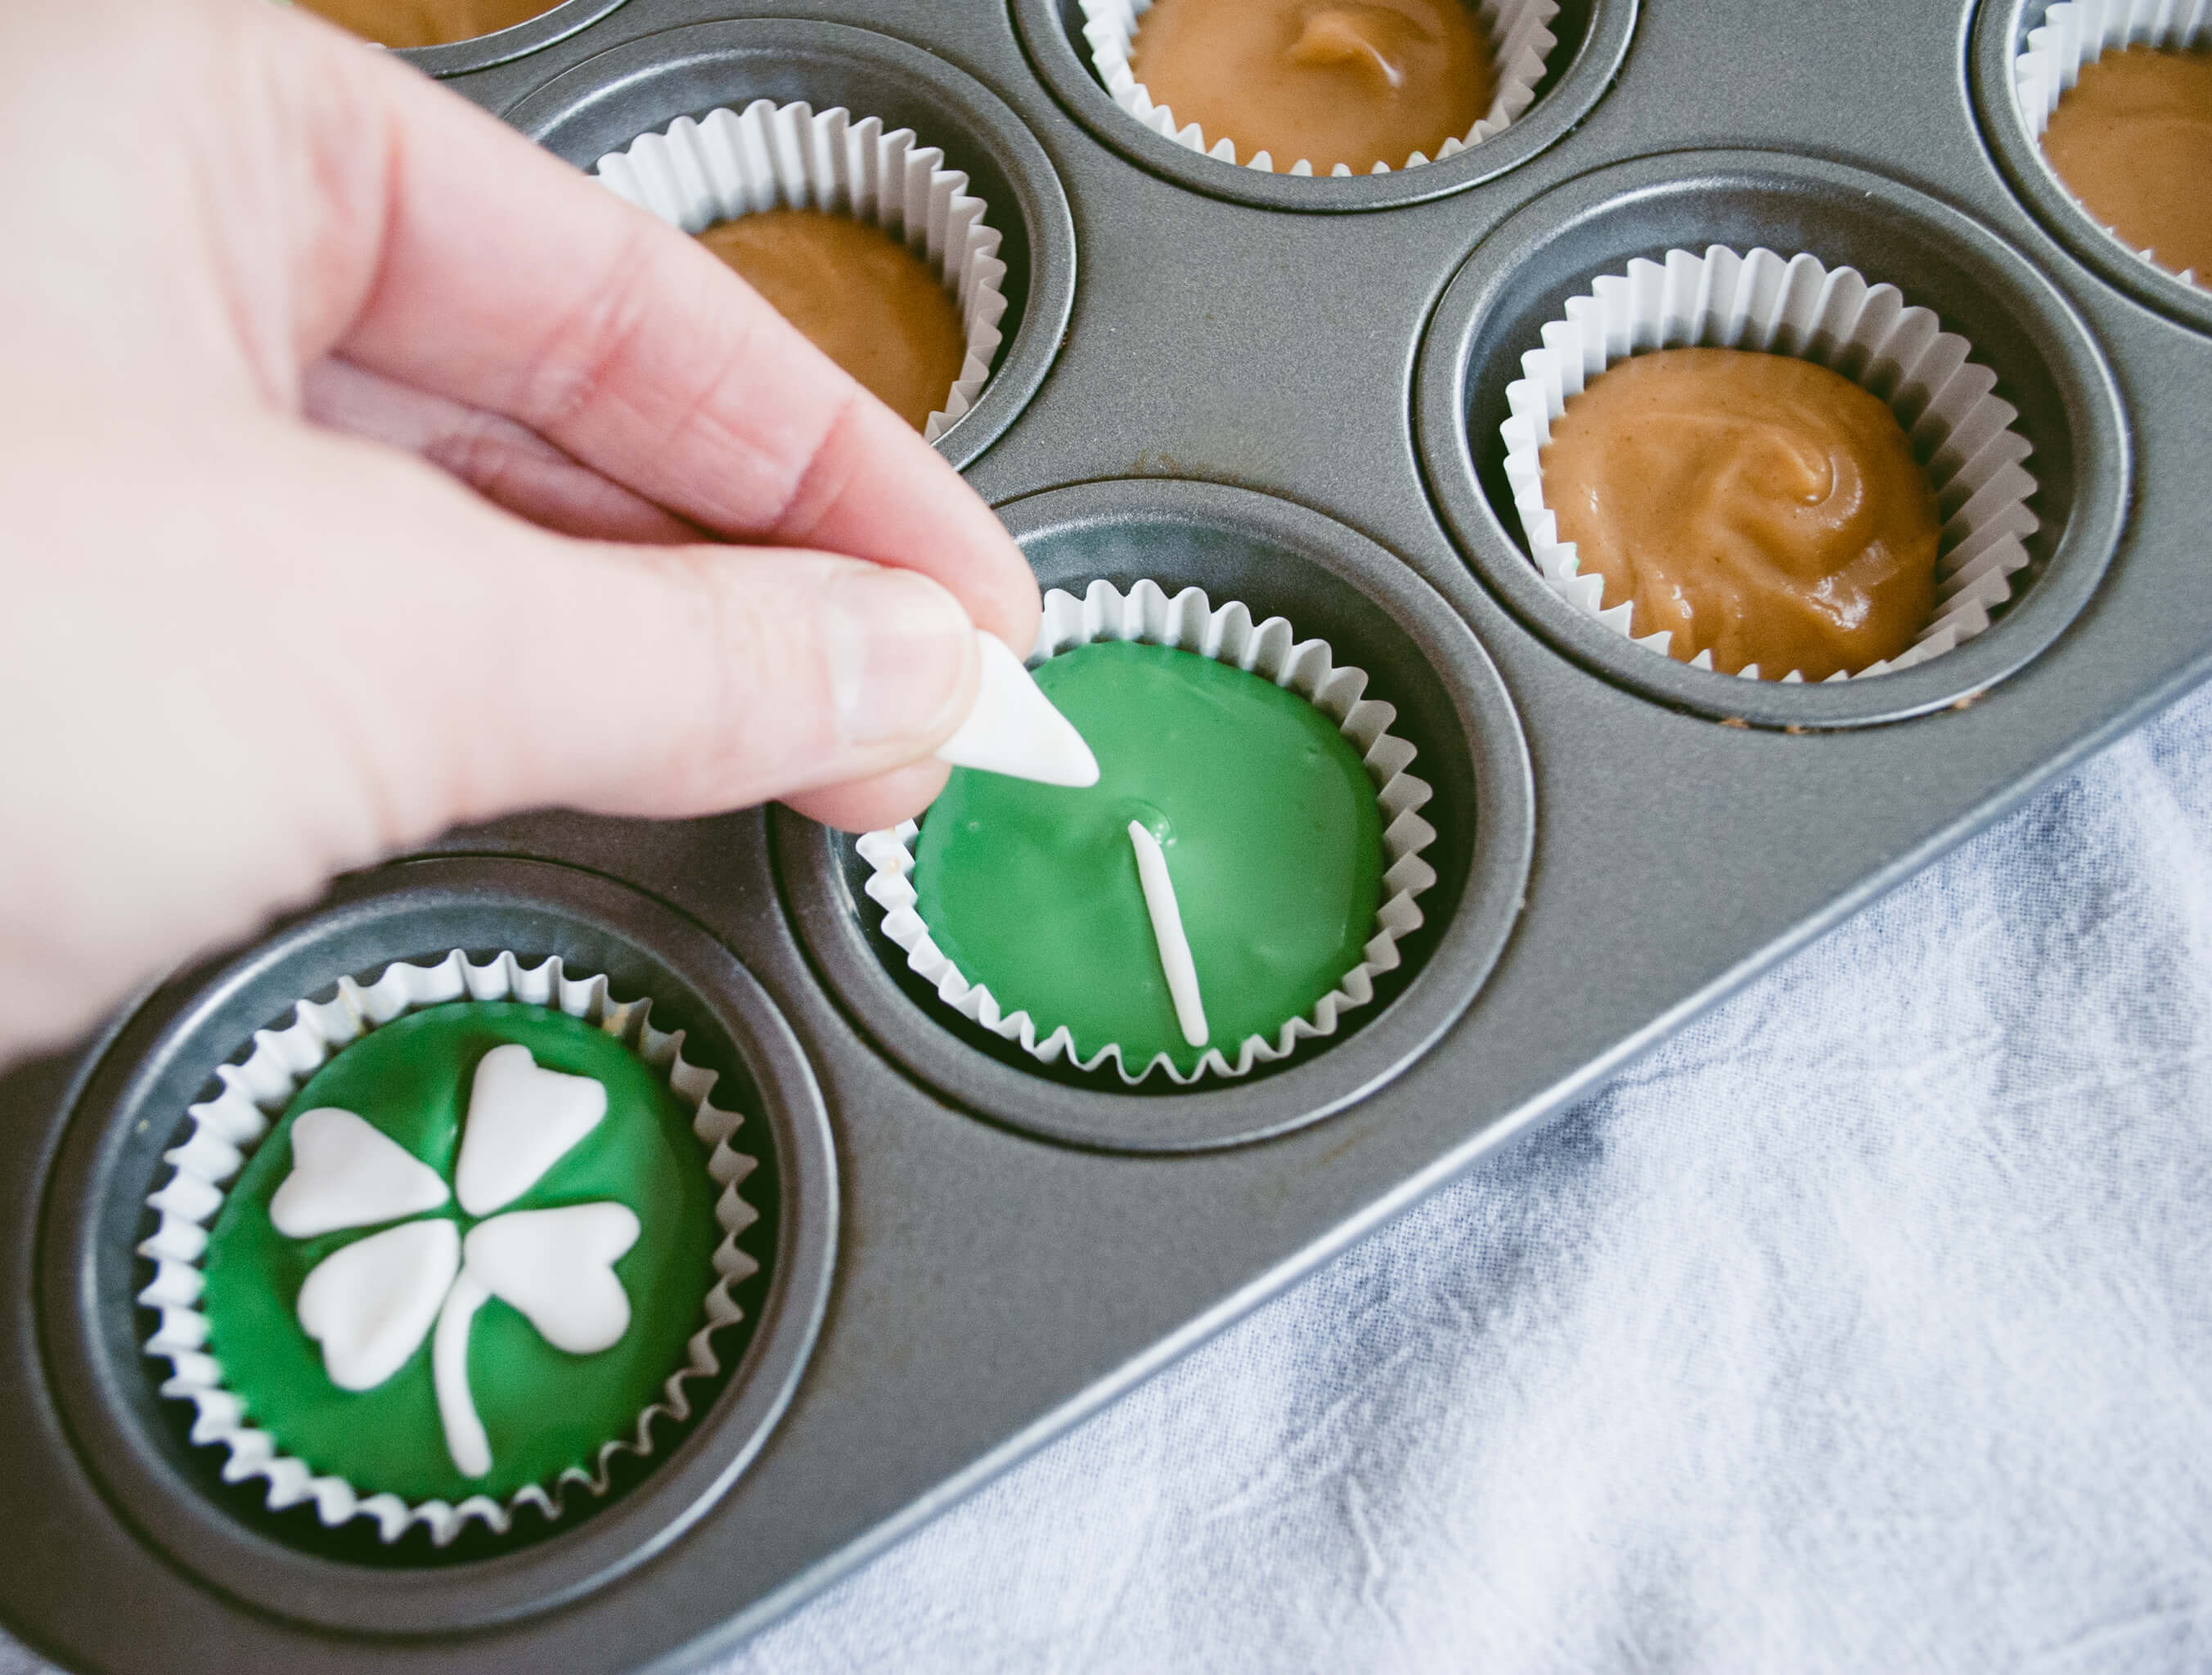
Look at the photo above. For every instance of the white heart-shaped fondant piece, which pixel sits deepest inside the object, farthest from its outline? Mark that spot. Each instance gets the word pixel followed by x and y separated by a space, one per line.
pixel 557 1267
pixel 347 1172
pixel 522 1120
pixel 1014 729
pixel 369 1304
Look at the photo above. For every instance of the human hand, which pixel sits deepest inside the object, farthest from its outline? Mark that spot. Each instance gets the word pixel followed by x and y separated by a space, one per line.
pixel 263 284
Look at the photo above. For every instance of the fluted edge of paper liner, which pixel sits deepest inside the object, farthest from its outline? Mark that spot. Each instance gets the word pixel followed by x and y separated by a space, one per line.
pixel 692 174
pixel 226 1130
pixel 1520 43
pixel 1270 649
pixel 2076 34
pixel 1960 431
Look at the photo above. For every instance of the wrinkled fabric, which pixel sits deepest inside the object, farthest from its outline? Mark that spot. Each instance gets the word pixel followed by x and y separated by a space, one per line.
pixel 1866 1326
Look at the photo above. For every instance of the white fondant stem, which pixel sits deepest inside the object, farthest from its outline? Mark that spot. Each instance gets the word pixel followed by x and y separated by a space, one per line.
pixel 449 1370
pixel 1167 931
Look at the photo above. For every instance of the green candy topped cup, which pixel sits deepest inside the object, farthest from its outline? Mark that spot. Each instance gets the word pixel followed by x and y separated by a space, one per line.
pixel 488 1239
pixel 1230 888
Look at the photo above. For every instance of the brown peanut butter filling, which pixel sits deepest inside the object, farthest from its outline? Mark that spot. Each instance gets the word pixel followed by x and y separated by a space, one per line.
pixel 1762 507
pixel 2132 139
pixel 1353 84
pixel 426 22
pixel 860 296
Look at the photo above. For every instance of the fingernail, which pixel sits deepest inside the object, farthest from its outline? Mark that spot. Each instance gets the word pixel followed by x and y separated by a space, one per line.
pixel 899 649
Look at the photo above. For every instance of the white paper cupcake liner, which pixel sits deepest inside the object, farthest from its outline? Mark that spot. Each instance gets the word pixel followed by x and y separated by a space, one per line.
pixel 2076 32
pixel 768 156
pixel 1269 649
pixel 227 1129
pixel 1960 431
pixel 1521 40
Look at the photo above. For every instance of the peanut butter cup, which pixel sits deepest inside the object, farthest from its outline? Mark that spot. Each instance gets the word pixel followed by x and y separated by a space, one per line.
pixel 1767 467
pixel 861 297
pixel 857 234
pixel 1759 507
pixel 1351 83
pixel 2132 140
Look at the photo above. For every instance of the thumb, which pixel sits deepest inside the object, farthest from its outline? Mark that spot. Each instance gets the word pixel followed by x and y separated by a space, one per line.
pixel 719 677
pixel 660 681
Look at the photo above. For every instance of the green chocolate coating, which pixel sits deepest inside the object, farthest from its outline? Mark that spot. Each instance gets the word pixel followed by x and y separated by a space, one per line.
pixel 543 1409
pixel 1266 816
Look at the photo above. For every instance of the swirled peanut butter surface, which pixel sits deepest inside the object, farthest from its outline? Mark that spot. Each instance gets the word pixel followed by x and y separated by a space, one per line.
pixel 2132 139
pixel 427 22
pixel 1760 506
pixel 860 296
pixel 1352 83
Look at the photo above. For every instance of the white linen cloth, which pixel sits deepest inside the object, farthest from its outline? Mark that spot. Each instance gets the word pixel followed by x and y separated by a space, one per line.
pixel 1866 1326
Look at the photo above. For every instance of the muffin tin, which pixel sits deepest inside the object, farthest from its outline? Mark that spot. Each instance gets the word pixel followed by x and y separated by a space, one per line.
pixel 1281 390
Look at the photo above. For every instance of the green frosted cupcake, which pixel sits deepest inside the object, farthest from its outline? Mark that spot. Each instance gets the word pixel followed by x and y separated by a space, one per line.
pixel 479 1255
pixel 1232 884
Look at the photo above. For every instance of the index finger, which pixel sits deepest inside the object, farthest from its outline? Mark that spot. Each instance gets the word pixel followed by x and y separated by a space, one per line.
pixel 497 275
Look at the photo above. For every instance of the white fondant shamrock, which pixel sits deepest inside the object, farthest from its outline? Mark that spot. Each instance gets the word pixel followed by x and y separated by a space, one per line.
pixel 370 1303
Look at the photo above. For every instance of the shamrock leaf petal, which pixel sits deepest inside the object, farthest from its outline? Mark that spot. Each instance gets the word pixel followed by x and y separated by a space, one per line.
pixel 346 1173
pixel 369 1303
pixel 557 1268
pixel 522 1120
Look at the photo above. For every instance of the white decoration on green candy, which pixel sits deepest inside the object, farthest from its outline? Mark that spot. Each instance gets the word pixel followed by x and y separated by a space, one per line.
pixel 1013 728
pixel 346 1173
pixel 466 1444
pixel 1269 648
pixel 522 1120
pixel 253 1095
pixel 1166 914
pixel 369 1303
pixel 556 1268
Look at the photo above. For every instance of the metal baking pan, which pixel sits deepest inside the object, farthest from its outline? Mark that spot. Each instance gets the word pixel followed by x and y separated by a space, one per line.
pixel 1286 391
